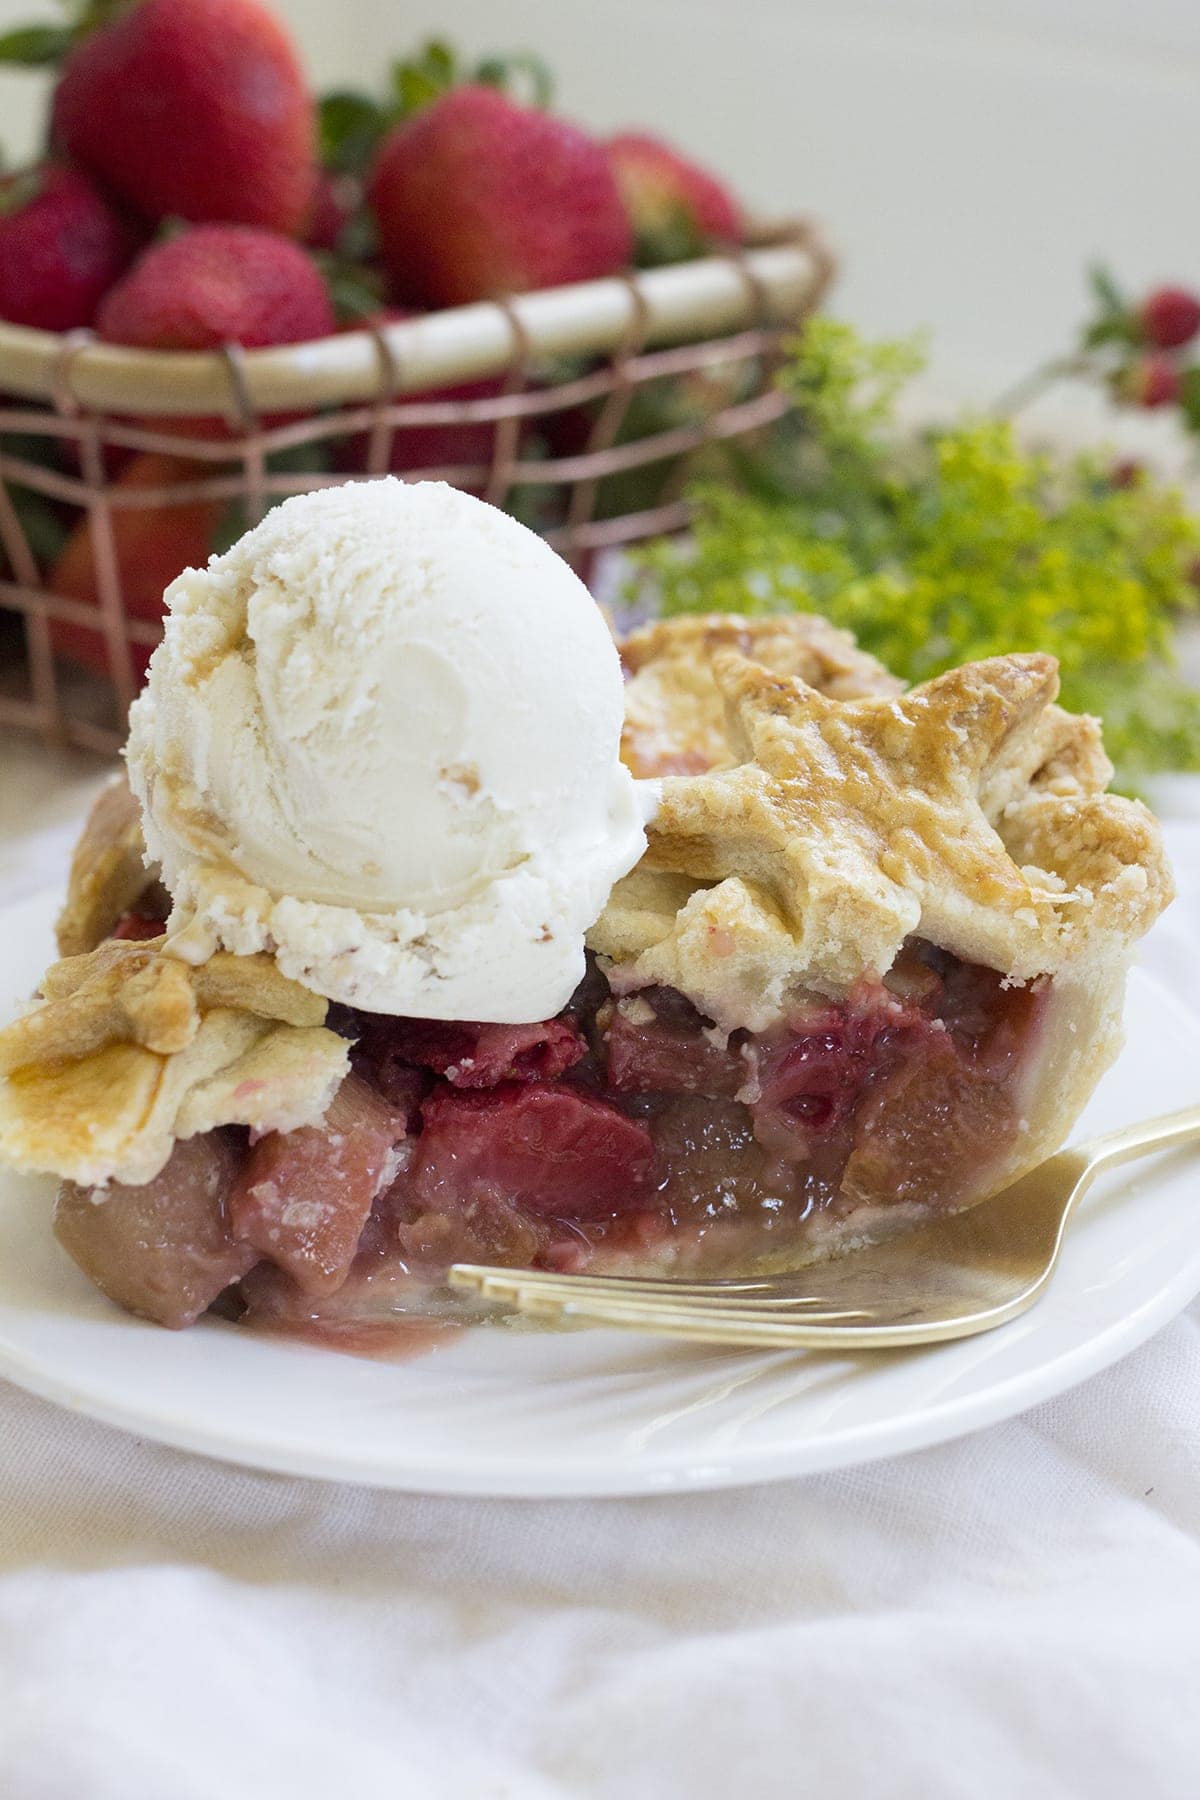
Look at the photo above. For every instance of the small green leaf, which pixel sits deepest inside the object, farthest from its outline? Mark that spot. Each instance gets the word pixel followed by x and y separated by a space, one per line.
pixel 354 294
pixel 1189 396
pixel 1106 290
pixel 418 80
pixel 1111 329
pixel 519 69
pixel 358 241
pixel 231 525
pixel 674 237
pixel 300 459
pixel 438 60
pixel 42 525
pixel 414 88
pixel 349 125
pixel 36 46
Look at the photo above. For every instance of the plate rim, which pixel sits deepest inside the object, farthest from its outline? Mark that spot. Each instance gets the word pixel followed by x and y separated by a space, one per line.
pixel 540 1480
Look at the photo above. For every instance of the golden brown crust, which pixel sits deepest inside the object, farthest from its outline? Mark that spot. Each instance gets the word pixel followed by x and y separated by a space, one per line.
pixel 967 811
pixel 135 993
pixel 129 1048
pixel 108 870
pixel 675 718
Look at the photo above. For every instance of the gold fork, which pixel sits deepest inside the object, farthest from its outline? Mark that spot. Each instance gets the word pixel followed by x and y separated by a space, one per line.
pixel 963 1274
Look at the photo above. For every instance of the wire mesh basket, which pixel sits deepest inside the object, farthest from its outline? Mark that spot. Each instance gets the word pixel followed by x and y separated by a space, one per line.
pixel 579 409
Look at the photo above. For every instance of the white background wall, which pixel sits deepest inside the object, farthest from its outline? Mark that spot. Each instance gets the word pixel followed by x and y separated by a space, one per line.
pixel 969 156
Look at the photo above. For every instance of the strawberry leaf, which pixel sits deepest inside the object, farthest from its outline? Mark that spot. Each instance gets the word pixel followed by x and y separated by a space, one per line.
pixel 349 125
pixel 44 530
pixel 415 87
pixel 36 46
pixel 1115 322
pixel 425 77
pixel 522 65
pixel 673 238
pixel 358 241
pixel 354 295
pixel 439 62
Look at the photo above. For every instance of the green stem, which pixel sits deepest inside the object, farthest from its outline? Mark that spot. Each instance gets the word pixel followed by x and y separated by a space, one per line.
pixel 1030 387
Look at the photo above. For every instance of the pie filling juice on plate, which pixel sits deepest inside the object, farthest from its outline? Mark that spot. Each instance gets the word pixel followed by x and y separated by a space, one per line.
pixel 436 927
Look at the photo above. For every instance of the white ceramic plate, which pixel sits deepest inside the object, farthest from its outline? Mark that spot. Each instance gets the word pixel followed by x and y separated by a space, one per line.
pixel 500 1412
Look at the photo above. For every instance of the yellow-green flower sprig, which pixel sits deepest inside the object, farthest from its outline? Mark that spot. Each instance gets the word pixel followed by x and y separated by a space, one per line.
pixel 946 547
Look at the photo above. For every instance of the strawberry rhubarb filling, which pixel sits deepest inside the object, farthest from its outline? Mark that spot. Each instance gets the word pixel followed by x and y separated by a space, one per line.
pixel 626 1133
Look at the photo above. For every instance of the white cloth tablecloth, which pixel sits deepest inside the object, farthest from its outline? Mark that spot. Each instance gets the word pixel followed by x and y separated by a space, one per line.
pixel 1017 1614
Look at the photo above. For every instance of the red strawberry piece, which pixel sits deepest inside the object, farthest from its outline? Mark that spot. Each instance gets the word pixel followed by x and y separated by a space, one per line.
pixel 811 1079
pixel 478 196
pixel 153 545
pixel 549 1148
pixel 62 246
pixel 478 1056
pixel 303 1196
pixel 218 284
pixel 1169 317
pixel 678 209
pixel 657 1043
pixel 1149 381
pixel 193 109
pixel 163 1250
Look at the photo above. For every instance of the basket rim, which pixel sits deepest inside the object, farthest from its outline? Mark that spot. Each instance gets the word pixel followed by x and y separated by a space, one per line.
pixel 773 281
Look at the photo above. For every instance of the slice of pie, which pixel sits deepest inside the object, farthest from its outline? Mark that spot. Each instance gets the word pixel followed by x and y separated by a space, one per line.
pixel 870 967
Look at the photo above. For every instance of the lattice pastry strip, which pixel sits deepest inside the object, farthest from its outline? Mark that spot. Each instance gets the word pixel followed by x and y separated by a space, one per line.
pixel 848 825
pixel 129 1049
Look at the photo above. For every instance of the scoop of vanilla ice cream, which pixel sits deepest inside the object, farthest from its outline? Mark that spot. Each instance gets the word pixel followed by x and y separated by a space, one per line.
pixel 380 741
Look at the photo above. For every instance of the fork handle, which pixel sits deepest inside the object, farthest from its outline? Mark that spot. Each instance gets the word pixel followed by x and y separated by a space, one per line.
pixel 1162 1133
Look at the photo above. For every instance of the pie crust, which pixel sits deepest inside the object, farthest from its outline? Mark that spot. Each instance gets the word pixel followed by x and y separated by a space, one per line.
pixel 833 862
pixel 127 1050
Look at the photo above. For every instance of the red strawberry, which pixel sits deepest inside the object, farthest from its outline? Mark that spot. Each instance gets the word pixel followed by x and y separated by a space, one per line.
pixel 476 1056
pixel 678 209
pixel 153 546
pixel 192 108
pixel 218 284
pixel 61 247
pixel 1149 381
pixel 1169 318
pixel 544 1146
pixel 478 196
